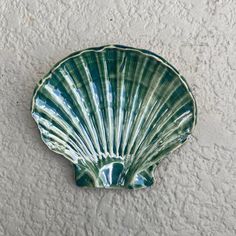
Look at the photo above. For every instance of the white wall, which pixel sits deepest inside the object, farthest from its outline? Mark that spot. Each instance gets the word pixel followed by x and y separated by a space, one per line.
pixel 195 189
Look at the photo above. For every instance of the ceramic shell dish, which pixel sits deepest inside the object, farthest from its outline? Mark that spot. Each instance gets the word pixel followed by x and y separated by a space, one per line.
pixel 114 112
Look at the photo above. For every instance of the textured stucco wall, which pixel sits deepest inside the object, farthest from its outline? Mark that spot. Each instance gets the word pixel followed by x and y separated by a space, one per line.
pixel 195 189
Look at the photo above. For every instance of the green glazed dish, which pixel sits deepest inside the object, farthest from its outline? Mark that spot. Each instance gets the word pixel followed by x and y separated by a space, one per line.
pixel 114 112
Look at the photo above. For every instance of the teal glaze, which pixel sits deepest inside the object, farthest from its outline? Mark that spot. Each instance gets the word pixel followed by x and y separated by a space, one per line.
pixel 114 112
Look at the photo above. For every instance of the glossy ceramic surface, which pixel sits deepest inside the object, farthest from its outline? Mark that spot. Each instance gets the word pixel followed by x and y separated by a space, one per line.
pixel 114 112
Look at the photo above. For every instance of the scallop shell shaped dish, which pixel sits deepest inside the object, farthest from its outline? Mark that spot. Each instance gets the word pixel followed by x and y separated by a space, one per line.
pixel 114 112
